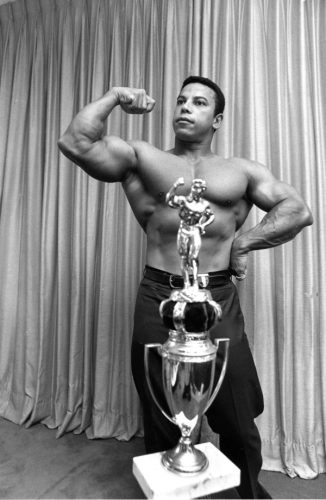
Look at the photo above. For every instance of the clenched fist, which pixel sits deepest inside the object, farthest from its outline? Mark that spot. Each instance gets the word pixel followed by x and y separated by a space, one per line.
pixel 134 101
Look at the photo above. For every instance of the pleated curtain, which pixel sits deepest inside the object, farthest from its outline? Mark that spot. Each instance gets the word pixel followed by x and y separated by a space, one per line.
pixel 71 252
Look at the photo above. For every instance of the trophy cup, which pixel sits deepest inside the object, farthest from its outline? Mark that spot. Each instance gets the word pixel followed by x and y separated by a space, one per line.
pixel 189 358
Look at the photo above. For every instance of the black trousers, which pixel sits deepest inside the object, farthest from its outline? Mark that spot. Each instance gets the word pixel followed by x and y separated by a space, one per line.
pixel 238 402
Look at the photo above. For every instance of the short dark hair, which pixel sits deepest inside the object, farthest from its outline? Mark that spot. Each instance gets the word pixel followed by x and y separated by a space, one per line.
pixel 219 96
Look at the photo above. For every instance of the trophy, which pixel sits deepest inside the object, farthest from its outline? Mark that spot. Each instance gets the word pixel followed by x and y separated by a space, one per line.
pixel 189 358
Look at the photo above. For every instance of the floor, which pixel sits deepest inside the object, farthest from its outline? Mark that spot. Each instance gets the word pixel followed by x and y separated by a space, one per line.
pixel 34 464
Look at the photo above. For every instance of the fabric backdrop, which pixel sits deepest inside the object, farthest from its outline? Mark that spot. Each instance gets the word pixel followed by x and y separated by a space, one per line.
pixel 71 251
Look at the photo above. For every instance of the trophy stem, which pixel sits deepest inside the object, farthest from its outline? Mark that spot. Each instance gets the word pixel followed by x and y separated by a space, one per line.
pixel 185 459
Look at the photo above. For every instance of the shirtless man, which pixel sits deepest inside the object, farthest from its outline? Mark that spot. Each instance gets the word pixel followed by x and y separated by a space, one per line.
pixel 233 186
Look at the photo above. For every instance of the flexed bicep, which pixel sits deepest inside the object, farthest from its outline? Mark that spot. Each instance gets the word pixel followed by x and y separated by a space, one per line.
pixel 106 158
pixel 109 159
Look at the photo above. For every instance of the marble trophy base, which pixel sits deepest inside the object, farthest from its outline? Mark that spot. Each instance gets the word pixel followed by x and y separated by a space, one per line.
pixel 158 482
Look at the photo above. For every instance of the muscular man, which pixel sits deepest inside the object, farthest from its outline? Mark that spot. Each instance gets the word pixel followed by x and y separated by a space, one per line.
pixel 233 186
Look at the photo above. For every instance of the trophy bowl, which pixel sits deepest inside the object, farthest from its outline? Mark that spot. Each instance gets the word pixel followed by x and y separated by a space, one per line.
pixel 191 365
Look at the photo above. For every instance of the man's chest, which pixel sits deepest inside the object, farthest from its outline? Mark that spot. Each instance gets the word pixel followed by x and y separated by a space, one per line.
pixel 226 185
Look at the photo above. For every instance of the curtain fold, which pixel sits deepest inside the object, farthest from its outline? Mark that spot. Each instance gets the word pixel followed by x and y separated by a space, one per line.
pixel 71 251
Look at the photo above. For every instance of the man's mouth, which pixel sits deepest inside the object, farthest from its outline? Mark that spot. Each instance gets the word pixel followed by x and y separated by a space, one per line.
pixel 183 119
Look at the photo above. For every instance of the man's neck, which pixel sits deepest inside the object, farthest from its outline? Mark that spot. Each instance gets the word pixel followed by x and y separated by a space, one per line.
pixel 192 151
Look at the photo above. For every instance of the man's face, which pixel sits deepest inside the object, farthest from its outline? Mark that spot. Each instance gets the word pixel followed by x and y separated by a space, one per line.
pixel 194 114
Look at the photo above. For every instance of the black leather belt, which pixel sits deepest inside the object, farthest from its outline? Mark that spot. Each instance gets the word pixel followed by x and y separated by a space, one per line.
pixel 208 280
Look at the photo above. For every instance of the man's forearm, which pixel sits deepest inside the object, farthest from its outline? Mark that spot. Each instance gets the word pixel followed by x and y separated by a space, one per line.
pixel 279 226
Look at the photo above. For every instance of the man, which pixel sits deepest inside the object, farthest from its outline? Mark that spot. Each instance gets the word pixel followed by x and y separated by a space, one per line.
pixel 233 186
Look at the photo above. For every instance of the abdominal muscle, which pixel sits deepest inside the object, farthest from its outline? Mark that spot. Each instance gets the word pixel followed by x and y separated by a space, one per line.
pixel 162 251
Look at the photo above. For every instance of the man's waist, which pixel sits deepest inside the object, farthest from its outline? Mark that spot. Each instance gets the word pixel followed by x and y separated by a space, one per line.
pixel 205 280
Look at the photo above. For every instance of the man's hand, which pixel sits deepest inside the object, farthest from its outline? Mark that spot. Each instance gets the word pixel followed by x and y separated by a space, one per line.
pixel 134 101
pixel 179 182
pixel 238 262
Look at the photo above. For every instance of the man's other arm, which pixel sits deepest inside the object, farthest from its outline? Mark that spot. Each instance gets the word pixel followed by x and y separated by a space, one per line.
pixel 287 214
pixel 104 157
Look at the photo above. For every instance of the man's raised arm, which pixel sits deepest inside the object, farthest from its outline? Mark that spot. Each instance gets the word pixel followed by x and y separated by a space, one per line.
pixel 107 158
pixel 287 214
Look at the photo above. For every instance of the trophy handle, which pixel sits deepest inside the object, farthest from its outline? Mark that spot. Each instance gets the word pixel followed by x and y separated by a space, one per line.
pixel 222 374
pixel 149 383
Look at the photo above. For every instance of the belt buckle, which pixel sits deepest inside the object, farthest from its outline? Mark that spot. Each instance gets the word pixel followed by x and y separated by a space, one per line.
pixel 203 280
pixel 171 281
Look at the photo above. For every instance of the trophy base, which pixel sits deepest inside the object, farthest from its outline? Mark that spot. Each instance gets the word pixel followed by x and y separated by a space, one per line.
pixel 157 482
pixel 185 460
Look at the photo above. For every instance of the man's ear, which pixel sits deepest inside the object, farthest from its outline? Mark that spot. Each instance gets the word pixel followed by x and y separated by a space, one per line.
pixel 217 121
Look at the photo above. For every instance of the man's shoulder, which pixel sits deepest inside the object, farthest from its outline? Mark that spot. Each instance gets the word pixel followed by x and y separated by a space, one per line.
pixel 243 163
pixel 151 159
pixel 143 147
pixel 250 168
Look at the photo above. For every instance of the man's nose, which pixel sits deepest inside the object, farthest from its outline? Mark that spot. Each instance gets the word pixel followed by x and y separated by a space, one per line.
pixel 185 107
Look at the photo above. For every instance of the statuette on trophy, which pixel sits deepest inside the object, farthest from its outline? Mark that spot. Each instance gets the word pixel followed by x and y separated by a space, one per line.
pixel 195 214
